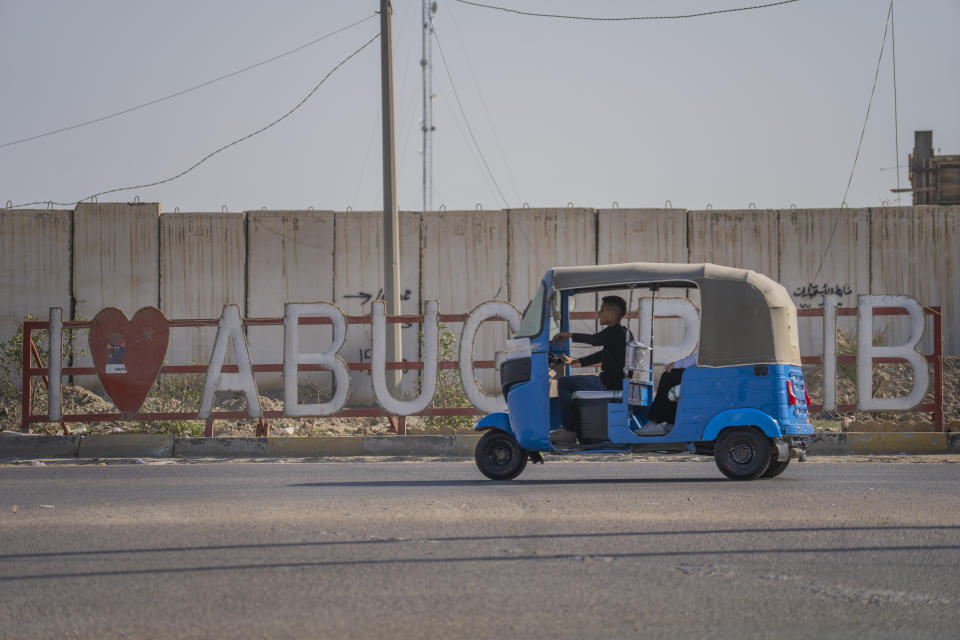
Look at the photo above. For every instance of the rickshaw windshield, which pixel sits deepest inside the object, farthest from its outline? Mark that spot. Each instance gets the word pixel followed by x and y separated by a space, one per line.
pixel 532 321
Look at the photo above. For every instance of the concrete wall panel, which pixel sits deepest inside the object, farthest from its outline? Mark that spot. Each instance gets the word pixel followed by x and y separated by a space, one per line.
pixel 116 262
pixel 35 250
pixel 465 262
pixel 641 235
pixel 804 241
pixel 358 281
pixel 743 239
pixel 645 235
pixel 289 259
pixel 202 268
pixel 541 239
pixel 914 253
pixel 116 257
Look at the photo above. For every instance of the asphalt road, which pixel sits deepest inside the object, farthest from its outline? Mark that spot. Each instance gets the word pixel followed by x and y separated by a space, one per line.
pixel 431 549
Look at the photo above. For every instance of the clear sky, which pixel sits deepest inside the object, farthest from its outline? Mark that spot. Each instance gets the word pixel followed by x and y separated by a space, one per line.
pixel 762 106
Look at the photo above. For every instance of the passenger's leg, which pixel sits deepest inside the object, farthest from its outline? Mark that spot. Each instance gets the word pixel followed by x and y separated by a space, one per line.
pixel 663 409
pixel 566 385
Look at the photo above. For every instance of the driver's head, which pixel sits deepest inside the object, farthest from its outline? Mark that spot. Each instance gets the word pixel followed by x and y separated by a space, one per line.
pixel 612 310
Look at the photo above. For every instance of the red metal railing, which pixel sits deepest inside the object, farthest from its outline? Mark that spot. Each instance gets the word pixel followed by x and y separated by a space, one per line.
pixel 399 422
pixel 30 353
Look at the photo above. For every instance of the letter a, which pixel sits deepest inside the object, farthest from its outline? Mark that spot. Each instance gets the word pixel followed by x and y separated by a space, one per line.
pixel 230 329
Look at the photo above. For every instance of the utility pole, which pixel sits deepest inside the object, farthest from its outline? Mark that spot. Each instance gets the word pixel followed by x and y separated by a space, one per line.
pixel 391 217
pixel 426 62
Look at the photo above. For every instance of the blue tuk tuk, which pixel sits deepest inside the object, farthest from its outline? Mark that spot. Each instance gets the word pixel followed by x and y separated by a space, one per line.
pixel 744 402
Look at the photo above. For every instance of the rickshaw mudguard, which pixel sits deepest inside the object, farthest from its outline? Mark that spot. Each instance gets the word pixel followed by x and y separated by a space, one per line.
pixel 741 417
pixel 498 420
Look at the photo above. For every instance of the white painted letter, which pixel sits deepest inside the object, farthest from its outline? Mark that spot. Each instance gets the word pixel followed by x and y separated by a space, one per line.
pixel 830 304
pixel 493 309
pixel 230 329
pixel 668 308
pixel 55 410
pixel 431 334
pixel 292 357
pixel 866 352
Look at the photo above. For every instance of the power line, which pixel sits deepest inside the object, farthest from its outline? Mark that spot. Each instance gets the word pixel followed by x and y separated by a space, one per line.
pixel 533 249
pixel 467 122
pixel 627 19
pixel 486 111
pixel 223 148
pixel 184 91
pixel 863 130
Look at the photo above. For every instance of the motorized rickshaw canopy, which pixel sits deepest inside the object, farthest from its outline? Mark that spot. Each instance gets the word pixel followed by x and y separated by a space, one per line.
pixel 745 317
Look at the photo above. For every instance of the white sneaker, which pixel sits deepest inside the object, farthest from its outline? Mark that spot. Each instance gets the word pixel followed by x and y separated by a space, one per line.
pixel 652 428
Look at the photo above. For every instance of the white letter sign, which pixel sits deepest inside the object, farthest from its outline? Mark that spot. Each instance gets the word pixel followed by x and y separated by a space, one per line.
pixel 329 358
pixel 431 333
pixel 494 309
pixel 667 308
pixel 830 304
pixel 230 329
pixel 866 352
pixel 55 409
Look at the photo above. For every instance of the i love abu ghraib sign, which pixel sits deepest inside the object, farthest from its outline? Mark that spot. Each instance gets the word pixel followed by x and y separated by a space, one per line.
pixel 128 355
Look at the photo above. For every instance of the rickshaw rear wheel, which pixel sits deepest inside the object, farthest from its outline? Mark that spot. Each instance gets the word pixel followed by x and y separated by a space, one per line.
pixel 742 453
pixel 776 468
pixel 499 456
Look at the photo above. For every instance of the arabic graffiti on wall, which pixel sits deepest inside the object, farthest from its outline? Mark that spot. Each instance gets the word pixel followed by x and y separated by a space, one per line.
pixel 813 290
pixel 367 297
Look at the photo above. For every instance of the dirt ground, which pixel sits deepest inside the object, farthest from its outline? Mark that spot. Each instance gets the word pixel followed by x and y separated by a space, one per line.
pixel 78 400
pixel 890 380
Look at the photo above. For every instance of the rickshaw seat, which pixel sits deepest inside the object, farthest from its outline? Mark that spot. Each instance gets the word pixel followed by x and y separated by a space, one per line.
pixel 614 395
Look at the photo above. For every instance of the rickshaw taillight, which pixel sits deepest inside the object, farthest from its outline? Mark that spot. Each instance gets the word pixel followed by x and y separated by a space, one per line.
pixel 807 395
pixel 791 396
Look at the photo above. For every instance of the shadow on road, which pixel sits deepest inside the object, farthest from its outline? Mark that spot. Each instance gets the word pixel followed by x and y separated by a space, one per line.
pixel 511 483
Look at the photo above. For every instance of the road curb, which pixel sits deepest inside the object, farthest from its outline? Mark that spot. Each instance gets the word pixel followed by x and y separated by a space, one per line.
pixel 220 447
pixel 29 445
pixel 161 445
pixel 314 446
pixel 883 443
pixel 126 445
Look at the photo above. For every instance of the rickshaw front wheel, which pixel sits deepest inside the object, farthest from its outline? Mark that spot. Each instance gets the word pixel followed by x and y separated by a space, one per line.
pixel 499 456
pixel 742 453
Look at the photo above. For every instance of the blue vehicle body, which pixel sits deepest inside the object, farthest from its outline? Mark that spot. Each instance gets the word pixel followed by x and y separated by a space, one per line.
pixel 768 398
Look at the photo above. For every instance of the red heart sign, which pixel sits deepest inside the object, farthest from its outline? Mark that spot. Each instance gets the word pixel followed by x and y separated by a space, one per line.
pixel 128 354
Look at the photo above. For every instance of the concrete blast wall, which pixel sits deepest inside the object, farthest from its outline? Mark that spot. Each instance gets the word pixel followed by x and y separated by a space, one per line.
pixel 191 264
pixel 35 249
pixel 289 259
pixel 465 260
pixel 203 266
pixel 358 283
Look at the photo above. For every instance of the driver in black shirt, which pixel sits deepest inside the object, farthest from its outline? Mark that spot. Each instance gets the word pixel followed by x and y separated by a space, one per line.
pixel 613 339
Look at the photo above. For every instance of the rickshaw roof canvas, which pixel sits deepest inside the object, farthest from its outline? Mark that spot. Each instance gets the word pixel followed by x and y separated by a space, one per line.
pixel 745 317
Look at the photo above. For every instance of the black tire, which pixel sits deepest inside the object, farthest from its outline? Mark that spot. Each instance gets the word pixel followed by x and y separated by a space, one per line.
pixel 742 453
pixel 499 456
pixel 776 468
